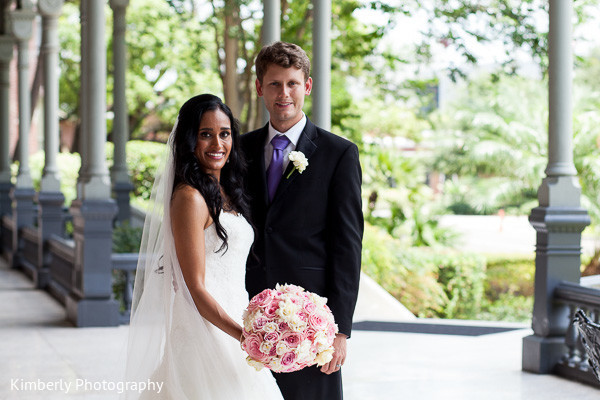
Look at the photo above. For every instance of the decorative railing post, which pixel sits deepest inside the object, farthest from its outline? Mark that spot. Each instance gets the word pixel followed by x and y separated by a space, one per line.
pixel 574 361
pixel 90 302
pixel 50 197
pixel 23 194
pixel 121 181
pixel 559 219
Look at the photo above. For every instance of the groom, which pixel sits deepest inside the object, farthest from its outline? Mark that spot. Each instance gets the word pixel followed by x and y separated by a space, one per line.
pixel 310 224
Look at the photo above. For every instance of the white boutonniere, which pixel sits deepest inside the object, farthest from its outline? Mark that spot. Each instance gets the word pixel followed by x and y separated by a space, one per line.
pixel 299 160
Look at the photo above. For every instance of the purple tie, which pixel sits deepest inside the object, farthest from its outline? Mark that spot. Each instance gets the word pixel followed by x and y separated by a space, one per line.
pixel 275 170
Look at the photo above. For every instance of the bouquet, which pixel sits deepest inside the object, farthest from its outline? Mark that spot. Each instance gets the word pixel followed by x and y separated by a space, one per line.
pixel 287 329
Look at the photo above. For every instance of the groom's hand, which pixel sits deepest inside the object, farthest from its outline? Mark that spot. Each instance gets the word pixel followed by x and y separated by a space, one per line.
pixel 339 355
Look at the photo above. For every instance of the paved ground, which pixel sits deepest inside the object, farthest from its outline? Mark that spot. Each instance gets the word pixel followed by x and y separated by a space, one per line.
pixel 37 345
pixel 492 234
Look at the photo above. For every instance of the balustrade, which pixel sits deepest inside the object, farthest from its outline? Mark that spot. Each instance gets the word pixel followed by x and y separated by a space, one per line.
pixel 575 362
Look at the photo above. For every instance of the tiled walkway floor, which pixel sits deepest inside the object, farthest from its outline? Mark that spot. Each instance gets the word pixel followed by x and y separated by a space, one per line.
pixel 37 345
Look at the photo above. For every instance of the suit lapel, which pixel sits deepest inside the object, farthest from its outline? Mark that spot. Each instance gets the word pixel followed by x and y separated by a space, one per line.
pixel 306 145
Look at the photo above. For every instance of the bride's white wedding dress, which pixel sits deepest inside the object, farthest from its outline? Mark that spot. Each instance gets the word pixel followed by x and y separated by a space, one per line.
pixel 199 361
pixel 172 350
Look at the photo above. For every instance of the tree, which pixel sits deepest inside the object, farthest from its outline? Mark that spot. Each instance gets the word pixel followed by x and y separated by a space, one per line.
pixel 237 26
pixel 169 60
pixel 519 27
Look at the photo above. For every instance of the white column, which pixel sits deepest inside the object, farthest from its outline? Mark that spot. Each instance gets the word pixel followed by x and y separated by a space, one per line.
pixel 22 25
pixel 119 172
pixel 271 34
pixel 50 10
pixel 97 184
pixel 559 218
pixel 83 99
pixel 7 44
pixel 322 64
pixel 560 151
pixel 561 186
pixel 271 22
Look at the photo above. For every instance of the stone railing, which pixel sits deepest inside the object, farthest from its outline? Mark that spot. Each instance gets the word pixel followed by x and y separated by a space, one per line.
pixel 58 254
pixel 124 265
pixel 574 363
pixel 7 226
pixel 31 244
pixel 61 267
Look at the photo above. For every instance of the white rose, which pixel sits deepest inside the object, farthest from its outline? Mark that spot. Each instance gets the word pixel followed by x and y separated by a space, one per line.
pixel 249 321
pixel 266 347
pixel 287 310
pixel 296 324
pixel 253 363
pixel 321 340
pixel 275 365
pixel 303 350
pixel 282 348
pixel 299 160
pixel 270 327
pixel 318 300
pixel 324 356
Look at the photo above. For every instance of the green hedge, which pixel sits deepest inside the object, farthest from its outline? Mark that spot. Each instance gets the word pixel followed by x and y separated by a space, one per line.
pixel 429 282
pixel 143 160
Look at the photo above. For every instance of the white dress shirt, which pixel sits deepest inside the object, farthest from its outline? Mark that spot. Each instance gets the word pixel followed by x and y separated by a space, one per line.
pixel 293 134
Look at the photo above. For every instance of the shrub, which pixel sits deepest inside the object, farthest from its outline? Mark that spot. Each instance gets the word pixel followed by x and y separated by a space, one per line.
pixel 143 160
pixel 510 274
pixel 414 285
pixel 126 239
pixel 462 275
pixel 430 283
pixel 508 307
pixel 68 171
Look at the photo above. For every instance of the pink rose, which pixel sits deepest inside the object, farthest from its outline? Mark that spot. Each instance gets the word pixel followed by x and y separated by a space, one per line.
pixel 310 307
pixel 292 289
pixel 270 311
pixel 303 315
pixel 317 321
pixel 288 359
pixel 283 326
pixel 259 323
pixel 252 347
pixel 292 339
pixel 331 330
pixel 262 299
pixel 310 334
pixel 271 336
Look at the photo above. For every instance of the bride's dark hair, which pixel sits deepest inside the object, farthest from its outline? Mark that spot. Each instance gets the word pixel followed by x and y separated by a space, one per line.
pixel 188 170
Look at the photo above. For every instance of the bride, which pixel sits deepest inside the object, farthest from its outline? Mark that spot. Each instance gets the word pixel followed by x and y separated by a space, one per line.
pixel 189 291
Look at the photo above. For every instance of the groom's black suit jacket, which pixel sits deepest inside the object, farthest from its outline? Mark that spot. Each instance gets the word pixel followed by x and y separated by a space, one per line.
pixel 311 233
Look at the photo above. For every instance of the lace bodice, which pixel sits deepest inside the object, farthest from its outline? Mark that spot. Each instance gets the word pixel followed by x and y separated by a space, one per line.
pixel 225 270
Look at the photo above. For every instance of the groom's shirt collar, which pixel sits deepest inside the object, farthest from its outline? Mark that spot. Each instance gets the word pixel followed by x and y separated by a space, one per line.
pixel 293 134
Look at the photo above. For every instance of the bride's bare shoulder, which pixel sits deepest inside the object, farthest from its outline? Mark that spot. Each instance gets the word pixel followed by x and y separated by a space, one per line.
pixel 187 200
pixel 185 194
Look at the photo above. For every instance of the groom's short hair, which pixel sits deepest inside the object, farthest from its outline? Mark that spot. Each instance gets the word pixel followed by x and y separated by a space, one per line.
pixel 283 54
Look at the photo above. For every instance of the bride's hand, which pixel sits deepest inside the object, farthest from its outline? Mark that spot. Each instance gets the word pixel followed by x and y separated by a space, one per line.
pixel 242 338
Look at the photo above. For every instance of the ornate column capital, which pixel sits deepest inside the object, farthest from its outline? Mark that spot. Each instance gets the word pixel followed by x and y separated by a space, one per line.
pixel 116 4
pixel 22 23
pixel 50 8
pixel 7 44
